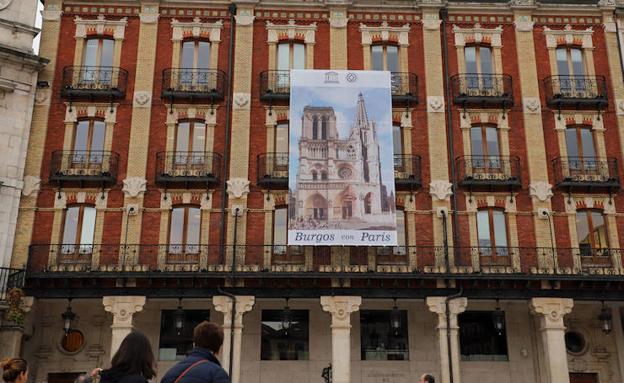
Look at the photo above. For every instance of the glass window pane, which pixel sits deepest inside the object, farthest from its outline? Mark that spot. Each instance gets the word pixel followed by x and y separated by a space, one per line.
pixel 175 344
pixel 88 226
pixel 283 56
pixel 377 62
pixel 572 143
pixel 397 140
pixel 82 137
pixel 500 229
pixel 562 61
pixel 587 138
pixel 279 226
pixel 285 340
pixel 485 54
pixel 70 228
pixel 600 230
pixel 298 56
pixel 203 55
pixel 281 138
pixel 176 228
pixel 383 336
pixel 107 52
pixel 199 137
pixel 483 228
pixel 188 54
pixel 578 68
pixel 99 134
pixel 392 58
pixel 194 226
pixel 582 228
pixel 478 338
pixel 182 138
pixel 491 136
pixel 471 59
pixel 91 52
pixel 476 141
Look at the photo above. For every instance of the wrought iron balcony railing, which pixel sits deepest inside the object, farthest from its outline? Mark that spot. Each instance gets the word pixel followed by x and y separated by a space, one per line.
pixel 194 84
pixel 416 261
pixel 407 171
pixel 589 92
pixel 587 173
pixel 188 168
pixel 273 170
pixel 10 278
pixel 488 171
pixel 493 90
pixel 94 82
pixel 84 166
pixel 275 86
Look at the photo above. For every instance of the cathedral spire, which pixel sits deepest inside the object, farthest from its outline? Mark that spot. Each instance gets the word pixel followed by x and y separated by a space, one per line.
pixel 361 118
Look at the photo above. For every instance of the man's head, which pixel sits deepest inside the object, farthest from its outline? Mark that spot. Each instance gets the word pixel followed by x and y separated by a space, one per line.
pixel 208 335
pixel 426 378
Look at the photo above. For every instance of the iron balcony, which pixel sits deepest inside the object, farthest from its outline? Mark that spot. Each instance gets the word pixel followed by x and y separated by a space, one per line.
pixel 275 87
pixel 84 167
pixel 576 92
pixel 94 83
pixel 482 90
pixel 188 168
pixel 586 173
pixel 488 172
pixel 201 85
pixel 273 172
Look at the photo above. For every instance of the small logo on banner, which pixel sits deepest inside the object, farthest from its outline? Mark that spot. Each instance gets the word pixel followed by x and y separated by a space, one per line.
pixel 331 78
pixel 351 77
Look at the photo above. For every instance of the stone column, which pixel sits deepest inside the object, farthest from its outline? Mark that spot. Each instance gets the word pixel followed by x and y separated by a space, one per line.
pixel 456 306
pixel 11 334
pixel 550 313
pixel 340 309
pixel 123 309
pixel 223 304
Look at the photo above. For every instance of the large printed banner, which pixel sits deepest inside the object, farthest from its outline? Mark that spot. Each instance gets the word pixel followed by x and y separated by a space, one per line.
pixel 341 172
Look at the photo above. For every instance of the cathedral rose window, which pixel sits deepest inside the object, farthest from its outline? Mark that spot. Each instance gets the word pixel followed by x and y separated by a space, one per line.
pixel 345 173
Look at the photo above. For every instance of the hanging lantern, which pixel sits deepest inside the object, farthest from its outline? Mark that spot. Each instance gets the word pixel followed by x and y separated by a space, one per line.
pixel 178 318
pixel 606 320
pixel 498 319
pixel 287 318
pixel 395 318
pixel 68 316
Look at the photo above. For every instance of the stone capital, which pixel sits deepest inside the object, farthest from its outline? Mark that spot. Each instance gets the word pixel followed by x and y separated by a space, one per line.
pixel 437 305
pixel 440 190
pixel 541 190
pixel 551 311
pixel 123 309
pixel 223 304
pixel 134 186
pixel 238 187
pixel 340 308
pixel 32 185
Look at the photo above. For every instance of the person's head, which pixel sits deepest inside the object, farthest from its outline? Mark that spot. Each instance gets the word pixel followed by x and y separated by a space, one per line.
pixel 208 335
pixel 426 378
pixel 14 370
pixel 134 356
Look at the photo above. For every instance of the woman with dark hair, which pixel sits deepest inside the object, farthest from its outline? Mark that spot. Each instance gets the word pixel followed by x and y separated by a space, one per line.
pixel 14 370
pixel 132 363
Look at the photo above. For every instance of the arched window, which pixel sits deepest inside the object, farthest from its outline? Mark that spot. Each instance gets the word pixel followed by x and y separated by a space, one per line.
pixel 315 134
pixel 195 54
pixel 78 229
pixel 570 61
pixel 97 60
pixel 89 137
pixel 290 55
pixel 492 231
pixel 385 57
pixel 314 175
pixel 190 142
pixel 581 150
pixel 478 59
pixel 484 147
pixel 281 137
pixel 591 231
pixel 184 230
pixel 324 125
pixel 323 175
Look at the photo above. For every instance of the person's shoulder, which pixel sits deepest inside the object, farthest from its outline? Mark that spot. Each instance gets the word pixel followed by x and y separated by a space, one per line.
pixel 134 378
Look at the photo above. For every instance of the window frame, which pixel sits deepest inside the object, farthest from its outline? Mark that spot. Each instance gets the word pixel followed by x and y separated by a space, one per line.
pixel 90 130
pixel 570 62
pixel 196 42
pixel 77 247
pixel 99 51
pixel 303 315
pixel 579 140
pixel 462 333
pixel 404 336
pixel 594 249
pixel 384 56
pixel 478 61
pixel 188 325
pixel 184 246
pixel 498 254
pixel 291 53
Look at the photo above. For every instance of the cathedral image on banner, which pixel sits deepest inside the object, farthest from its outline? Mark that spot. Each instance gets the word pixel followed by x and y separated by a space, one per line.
pixel 341 175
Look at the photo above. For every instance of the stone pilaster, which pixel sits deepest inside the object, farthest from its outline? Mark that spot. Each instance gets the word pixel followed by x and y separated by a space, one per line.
pixel 11 335
pixel 223 304
pixel 340 308
pixel 457 306
pixel 123 309
pixel 338 38
pixel 550 313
